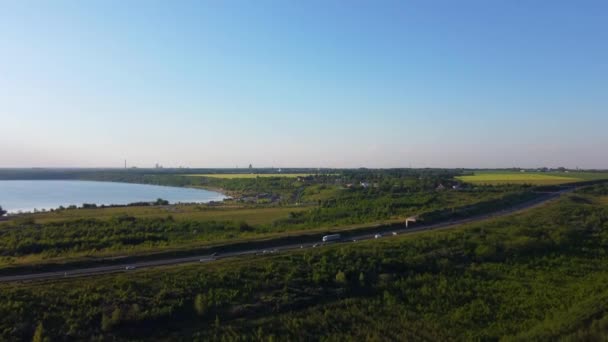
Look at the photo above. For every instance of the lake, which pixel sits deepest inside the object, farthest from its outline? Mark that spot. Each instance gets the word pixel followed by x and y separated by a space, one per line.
pixel 25 195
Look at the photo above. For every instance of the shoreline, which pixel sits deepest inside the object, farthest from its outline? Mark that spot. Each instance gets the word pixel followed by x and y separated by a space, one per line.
pixel 227 193
pixel 219 196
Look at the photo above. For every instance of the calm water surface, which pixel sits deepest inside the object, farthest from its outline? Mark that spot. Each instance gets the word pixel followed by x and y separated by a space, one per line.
pixel 25 195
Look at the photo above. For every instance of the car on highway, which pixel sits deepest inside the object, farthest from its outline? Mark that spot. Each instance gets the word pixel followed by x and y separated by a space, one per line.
pixel 332 237
pixel 130 267
pixel 394 233
pixel 377 236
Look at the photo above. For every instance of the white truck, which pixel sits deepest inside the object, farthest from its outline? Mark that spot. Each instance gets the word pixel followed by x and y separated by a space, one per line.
pixel 332 237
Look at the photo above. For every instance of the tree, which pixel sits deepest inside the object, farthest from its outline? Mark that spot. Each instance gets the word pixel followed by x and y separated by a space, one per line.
pixel 361 279
pixel 109 322
pixel 341 277
pixel 2 211
pixel 200 305
pixel 161 201
pixel 116 316
pixel 39 333
pixel 106 324
pixel 134 312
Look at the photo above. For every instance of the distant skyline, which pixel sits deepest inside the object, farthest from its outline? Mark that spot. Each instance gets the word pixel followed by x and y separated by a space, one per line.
pixel 379 84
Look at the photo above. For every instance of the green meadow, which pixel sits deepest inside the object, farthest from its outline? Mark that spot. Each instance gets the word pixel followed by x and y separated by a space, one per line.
pixel 182 212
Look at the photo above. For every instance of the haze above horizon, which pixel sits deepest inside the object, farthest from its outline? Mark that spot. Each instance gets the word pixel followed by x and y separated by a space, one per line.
pixel 485 84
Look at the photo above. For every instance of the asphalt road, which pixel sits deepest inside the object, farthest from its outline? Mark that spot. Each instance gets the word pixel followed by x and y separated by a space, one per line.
pixel 210 258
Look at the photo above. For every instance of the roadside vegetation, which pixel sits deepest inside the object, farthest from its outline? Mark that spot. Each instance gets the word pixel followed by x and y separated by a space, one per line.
pixel 538 275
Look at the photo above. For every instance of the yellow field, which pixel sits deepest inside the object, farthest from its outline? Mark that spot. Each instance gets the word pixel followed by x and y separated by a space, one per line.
pixel 250 175
pixel 253 216
pixel 520 178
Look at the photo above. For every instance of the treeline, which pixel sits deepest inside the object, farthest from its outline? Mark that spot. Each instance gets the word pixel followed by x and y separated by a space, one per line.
pixel 285 188
pixel 158 201
pixel 509 200
pixel 79 173
pixel 598 190
pixel 537 276
pixel 358 204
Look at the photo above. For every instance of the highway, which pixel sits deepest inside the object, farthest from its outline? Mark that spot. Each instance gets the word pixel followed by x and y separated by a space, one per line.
pixel 131 267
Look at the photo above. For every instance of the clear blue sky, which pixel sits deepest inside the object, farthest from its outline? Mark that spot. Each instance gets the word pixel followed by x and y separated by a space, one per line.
pixel 304 83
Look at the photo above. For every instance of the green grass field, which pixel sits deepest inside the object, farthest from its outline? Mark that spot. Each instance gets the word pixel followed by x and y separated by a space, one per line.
pixel 250 175
pixel 253 216
pixel 535 178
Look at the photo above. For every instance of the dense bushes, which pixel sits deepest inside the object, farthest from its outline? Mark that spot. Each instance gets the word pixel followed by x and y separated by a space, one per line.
pixel 536 276
pixel 598 190
pixel 357 205
pixel 120 233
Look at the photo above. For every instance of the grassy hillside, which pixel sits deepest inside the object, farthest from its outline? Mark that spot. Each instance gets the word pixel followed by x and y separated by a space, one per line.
pixel 539 275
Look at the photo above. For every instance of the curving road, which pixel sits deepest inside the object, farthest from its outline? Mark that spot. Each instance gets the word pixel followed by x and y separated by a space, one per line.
pixel 209 258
